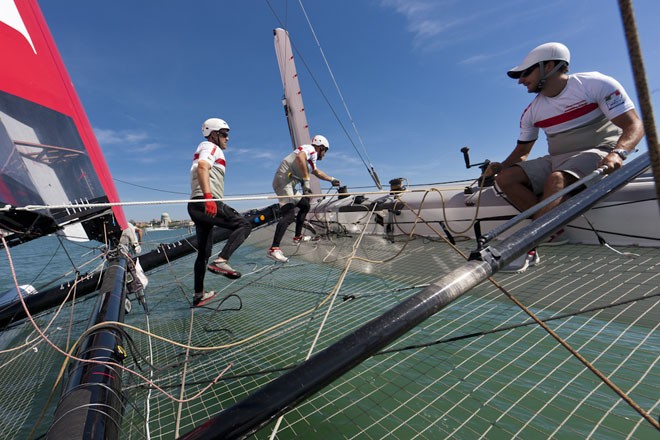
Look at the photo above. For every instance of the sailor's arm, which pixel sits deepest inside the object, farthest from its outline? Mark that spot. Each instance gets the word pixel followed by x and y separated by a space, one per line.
pixel 323 176
pixel 204 179
pixel 519 154
pixel 633 132
pixel 203 176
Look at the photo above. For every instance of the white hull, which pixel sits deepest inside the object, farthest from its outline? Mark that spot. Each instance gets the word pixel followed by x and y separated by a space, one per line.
pixel 627 217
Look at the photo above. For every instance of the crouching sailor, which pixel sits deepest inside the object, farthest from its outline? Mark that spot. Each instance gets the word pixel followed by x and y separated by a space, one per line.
pixel 294 169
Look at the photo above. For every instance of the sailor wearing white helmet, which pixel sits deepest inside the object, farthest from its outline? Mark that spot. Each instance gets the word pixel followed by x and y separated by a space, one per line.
pixel 588 119
pixel 207 181
pixel 294 169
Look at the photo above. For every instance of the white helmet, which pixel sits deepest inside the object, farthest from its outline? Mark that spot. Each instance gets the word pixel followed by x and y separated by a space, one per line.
pixel 544 52
pixel 213 124
pixel 321 141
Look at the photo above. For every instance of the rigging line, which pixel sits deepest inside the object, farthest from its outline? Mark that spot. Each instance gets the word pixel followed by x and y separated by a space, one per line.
pixel 482 184
pixel 516 326
pixel 341 96
pixel 622 394
pixel 68 255
pixel 231 377
pixel 603 242
pixel 69 356
pixel 410 235
pixel 8 208
pixel 336 289
pixel 318 86
pixel 641 84
pixel 74 289
pixel 50 260
pixel 147 187
pixel 217 347
pixel 48 325
pixel 567 346
pixel 27 349
pixel 618 234
pixel 178 282
pixel 183 374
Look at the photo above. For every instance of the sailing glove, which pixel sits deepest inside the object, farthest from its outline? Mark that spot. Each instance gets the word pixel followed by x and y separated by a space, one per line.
pixel 335 182
pixel 306 187
pixel 210 207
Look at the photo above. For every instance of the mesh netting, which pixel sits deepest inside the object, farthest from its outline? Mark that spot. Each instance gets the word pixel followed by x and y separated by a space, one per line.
pixel 478 368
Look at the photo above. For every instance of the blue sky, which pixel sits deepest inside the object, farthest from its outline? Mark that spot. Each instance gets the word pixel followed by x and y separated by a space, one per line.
pixel 421 78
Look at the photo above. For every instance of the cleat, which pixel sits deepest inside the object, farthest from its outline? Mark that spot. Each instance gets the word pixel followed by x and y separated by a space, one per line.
pixel 276 254
pixel 200 299
pixel 223 268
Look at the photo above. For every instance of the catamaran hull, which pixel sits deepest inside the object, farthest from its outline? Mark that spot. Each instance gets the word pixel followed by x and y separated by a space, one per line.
pixel 627 217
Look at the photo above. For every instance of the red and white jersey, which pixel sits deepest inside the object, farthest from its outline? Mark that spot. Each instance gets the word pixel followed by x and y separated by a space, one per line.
pixel 214 156
pixel 287 166
pixel 579 117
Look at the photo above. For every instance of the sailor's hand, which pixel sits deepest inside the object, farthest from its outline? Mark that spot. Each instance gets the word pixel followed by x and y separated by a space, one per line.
pixel 210 207
pixel 493 169
pixel 306 187
pixel 612 161
pixel 335 182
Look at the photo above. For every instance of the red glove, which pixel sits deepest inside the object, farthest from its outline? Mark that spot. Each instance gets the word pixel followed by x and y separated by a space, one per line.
pixel 210 207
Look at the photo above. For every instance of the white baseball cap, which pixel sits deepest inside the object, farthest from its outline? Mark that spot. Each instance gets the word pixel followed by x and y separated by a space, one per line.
pixel 544 52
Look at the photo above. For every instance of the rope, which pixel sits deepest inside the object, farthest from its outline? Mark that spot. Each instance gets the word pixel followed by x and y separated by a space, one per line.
pixel 564 344
pixel 517 326
pixel 340 282
pixel 184 373
pixel 341 96
pixel 641 84
pixel 69 356
pixel 185 201
pixel 325 97
pixel 147 409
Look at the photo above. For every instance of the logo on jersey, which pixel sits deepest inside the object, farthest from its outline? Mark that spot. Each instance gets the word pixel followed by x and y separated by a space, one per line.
pixel 614 99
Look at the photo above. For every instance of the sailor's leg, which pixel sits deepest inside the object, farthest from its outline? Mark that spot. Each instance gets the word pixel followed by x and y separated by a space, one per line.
pixel 204 243
pixel 229 218
pixel 515 184
pixel 303 209
pixel 286 219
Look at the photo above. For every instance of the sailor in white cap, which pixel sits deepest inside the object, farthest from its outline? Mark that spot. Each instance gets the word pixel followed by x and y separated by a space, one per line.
pixel 588 119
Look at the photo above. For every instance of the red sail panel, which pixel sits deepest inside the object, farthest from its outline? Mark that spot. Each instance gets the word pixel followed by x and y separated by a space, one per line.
pixel 34 80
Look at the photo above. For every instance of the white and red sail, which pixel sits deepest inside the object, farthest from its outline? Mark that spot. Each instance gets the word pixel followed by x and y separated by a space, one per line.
pixel 48 152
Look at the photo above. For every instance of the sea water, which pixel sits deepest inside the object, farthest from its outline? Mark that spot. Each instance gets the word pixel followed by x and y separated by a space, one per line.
pixel 47 261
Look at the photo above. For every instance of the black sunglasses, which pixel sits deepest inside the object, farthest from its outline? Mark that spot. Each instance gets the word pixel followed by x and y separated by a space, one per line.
pixel 525 73
pixel 223 134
